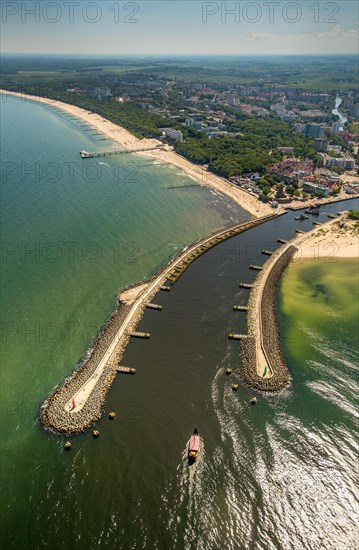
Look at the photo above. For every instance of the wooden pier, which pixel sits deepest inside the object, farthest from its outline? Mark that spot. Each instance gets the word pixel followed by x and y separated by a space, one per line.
pixel 126 370
pixel 154 306
pixel 140 335
pixel 184 186
pixel 87 155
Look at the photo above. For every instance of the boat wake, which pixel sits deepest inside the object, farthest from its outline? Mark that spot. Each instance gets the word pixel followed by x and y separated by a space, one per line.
pixel 183 517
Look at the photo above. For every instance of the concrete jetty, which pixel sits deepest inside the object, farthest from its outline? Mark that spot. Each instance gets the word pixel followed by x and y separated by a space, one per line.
pixel 246 285
pixel 256 267
pixel 240 308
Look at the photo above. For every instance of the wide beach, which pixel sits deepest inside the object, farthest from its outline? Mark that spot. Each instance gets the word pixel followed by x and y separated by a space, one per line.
pixel 164 155
pixel 334 240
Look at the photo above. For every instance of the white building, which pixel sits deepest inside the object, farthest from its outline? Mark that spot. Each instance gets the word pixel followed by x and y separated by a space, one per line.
pixel 345 162
pixel 171 133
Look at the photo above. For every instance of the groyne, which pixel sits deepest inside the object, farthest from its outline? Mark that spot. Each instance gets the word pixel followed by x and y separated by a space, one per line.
pixel 78 402
pixel 263 365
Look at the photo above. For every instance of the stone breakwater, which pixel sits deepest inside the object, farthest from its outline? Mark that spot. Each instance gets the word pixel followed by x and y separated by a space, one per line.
pixel 53 414
pixel 266 328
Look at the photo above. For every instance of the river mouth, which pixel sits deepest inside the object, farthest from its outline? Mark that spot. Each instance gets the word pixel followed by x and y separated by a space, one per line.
pixel 275 475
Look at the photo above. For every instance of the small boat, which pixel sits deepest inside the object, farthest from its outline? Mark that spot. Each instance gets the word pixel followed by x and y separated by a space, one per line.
pixel 301 217
pixel 228 370
pixel 193 447
pixel 86 155
pixel 313 209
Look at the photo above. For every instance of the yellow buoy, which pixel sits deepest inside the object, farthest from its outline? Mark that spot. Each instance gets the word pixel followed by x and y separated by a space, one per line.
pixel 112 415
pixel 95 434
pixel 235 387
pixel 68 445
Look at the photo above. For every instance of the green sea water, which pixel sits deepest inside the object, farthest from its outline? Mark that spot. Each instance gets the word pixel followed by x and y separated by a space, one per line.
pixel 73 232
pixel 280 475
pixel 319 301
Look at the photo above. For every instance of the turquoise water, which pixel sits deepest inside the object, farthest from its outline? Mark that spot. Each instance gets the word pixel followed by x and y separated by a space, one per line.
pixel 280 475
pixel 73 233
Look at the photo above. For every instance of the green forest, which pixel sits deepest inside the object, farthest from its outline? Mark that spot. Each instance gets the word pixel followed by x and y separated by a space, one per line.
pixel 252 151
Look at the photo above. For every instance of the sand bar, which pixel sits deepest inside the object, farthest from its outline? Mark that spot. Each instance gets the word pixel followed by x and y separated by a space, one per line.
pixel 336 239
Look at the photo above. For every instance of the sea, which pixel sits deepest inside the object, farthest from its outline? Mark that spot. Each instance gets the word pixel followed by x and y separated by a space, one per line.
pixel 278 475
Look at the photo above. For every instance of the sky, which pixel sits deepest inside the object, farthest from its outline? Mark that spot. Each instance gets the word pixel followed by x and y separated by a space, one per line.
pixel 172 27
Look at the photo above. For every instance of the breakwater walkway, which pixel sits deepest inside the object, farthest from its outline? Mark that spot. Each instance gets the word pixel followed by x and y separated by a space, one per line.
pixel 77 402
pixel 263 365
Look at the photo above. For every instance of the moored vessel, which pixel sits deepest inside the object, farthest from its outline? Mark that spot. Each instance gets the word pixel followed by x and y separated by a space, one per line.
pixel 313 209
pixel 86 155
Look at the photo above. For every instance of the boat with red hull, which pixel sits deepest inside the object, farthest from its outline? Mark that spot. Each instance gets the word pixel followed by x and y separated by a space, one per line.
pixel 193 447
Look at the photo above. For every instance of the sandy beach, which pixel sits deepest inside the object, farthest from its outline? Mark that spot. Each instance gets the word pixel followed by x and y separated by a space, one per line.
pixel 128 297
pixel 330 242
pixel 165 155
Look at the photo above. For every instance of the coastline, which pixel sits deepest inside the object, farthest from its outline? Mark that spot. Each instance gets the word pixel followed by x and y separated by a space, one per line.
pixel 263 363
pixel 125 139
pixel 167 155
pixel 108 373
pixel 78 401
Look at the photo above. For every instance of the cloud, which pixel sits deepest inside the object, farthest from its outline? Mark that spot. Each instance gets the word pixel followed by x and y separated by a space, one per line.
pixel 336 33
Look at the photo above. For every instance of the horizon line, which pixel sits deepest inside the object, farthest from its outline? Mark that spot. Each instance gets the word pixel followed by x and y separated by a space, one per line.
pixel 182 54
